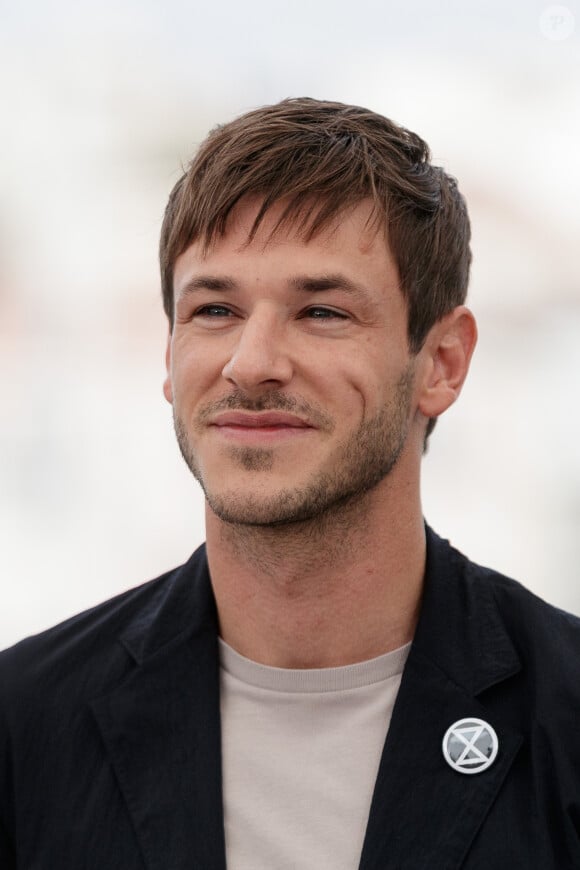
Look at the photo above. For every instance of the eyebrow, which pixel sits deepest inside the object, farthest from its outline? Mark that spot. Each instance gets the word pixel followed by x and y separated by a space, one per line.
pixel 301 283
pixel 208 282
pixel 312 284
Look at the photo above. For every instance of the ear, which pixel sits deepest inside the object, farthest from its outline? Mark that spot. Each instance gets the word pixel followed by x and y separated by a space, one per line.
pixel 448 350
pixel 167 384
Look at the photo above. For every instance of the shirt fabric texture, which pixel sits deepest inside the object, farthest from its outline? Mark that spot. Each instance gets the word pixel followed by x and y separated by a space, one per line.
pixel 300 754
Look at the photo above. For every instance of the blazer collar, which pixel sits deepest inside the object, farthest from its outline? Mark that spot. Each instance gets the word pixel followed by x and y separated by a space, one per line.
pixel 460 628
pixel 423 813
pixel 181 607
pixel 161 725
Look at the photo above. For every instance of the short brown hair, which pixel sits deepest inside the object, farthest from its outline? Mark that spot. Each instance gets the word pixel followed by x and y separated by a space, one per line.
pixel 322 157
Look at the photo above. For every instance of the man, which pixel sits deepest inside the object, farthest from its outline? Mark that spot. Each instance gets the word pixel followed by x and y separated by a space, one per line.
pixel 326 683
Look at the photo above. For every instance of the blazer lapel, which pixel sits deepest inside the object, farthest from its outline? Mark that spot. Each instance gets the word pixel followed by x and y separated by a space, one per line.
pixel 424 814
pixel 162 731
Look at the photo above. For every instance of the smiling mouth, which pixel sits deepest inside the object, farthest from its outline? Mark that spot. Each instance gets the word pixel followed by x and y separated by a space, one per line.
pixel 260 427
pixel 264 420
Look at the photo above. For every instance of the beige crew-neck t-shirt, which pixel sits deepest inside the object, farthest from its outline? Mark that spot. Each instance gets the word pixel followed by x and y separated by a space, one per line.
pixel 300 754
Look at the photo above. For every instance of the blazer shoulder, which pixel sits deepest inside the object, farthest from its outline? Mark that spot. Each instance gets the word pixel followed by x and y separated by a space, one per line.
pixel 546 637
pixel 83 650
pixel 521 605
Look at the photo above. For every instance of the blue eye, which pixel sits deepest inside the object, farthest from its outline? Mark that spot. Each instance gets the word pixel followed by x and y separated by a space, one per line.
pixel 320 313
pixel 213 311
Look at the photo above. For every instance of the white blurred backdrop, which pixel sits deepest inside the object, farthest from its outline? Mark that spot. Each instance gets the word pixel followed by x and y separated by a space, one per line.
pixel 103 102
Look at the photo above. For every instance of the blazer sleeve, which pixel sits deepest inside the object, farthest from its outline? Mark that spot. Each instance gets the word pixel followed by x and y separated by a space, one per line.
pixel 7 844
pixel 7 856
pixel 7 850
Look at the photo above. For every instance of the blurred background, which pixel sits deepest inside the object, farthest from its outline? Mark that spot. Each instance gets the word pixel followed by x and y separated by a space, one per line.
pixel 101 105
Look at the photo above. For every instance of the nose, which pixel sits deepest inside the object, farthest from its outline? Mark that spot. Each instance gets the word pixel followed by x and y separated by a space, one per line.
pixel 260 358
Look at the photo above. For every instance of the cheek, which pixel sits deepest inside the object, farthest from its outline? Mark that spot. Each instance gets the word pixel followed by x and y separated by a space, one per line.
pixel 365 372
pixel 193 368
pixel 346 378
pixel 346 389
pixel 382 388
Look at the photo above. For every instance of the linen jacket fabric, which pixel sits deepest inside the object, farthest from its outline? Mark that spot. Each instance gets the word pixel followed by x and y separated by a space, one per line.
pixel 110 746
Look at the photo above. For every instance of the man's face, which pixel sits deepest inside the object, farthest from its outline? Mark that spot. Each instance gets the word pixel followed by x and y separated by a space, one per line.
pixel 288 368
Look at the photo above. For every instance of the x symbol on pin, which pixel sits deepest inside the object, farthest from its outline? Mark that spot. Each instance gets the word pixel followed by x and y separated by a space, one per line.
pixel 471 754
pixel 470 745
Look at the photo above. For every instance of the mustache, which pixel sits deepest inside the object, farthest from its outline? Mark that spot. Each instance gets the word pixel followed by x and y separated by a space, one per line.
pixel 271 401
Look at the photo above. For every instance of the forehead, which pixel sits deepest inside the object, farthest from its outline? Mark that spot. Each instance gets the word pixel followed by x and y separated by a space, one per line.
pixel 354 238
pixel 281 224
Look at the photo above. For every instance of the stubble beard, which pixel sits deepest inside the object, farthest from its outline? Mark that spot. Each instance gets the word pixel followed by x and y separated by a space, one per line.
pixel 361 462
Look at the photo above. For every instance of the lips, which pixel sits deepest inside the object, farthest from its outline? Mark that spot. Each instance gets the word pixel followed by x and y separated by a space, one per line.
pixel 265 429
pixel 264 420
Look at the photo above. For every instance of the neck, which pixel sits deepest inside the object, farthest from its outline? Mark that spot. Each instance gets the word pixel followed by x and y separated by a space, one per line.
pixel 339 589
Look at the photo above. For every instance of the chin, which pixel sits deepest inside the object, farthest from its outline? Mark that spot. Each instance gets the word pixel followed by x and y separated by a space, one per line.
pixel 245 509
pixel 317 503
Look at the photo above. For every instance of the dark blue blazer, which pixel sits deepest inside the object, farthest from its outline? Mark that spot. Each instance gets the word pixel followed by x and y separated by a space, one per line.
pixel 110 733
